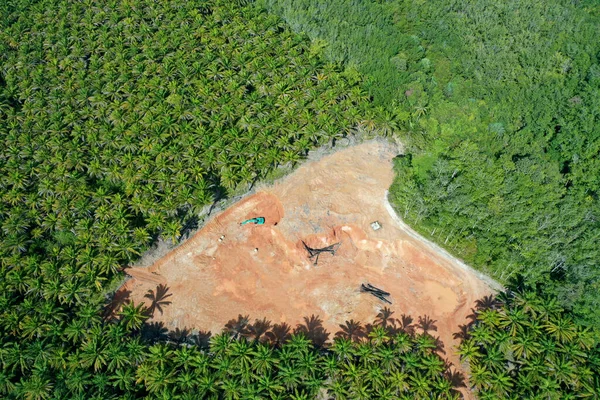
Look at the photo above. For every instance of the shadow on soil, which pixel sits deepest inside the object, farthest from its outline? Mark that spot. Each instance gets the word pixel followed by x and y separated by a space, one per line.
pixel 485 303
pixel 263 331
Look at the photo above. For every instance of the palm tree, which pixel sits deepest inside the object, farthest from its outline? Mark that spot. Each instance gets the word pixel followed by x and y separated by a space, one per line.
pixel 117 356
pixel 264 359
pixel 489 317
pixel 469 351
pixel 420 111
pixel 269 385
pixel 132 316
pixel 514 320
pixel 231 387
pixel 480 376
pixel 425 343
pixel 402 343
pixel 365 354
pixel 186 381
pixel 378 336
pixel 525 346
pixel 299 395
pixel 337 389
pixel 208 386
pixel 353 374
pixel 342 348
pixel 501 383
pixel 307 364
pixel 482 334
pixel 93 353
pixel 34 388
pixel 124 379
pixel 290 377
pixel 420 386
pixel 434 366
pixel 242 356
pixel 561 328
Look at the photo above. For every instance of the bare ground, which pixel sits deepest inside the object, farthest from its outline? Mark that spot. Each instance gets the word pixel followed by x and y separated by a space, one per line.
pixel 264 270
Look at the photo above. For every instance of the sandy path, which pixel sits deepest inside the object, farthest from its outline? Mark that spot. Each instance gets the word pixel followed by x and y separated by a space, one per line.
pixel 265 271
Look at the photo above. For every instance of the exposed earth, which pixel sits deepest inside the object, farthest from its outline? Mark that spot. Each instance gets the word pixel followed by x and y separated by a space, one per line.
pixel 227 269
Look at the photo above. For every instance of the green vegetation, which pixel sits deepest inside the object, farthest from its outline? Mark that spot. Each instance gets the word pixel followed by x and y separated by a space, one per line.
pixel 121 120
pixel 258 360
pixel 522 345
pixel 500 103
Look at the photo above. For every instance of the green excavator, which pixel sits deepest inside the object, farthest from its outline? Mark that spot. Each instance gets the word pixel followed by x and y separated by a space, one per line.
pixel 256 221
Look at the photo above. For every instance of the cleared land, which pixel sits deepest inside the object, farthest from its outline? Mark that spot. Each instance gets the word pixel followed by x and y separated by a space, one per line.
pixel 263 270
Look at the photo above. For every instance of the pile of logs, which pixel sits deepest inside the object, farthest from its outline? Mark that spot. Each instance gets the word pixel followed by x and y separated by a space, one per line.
pixel 315 253
pixel 380 294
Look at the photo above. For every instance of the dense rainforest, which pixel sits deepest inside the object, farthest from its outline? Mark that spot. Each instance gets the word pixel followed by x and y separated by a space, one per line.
pixel 121 120
pixel 500 103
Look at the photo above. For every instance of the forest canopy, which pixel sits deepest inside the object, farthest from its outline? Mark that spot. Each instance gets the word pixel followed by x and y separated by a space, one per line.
pixel 500 105
pixel 121 120
pixel 521 344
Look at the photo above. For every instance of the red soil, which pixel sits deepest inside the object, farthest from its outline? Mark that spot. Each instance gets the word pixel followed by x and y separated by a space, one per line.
pixel 264 270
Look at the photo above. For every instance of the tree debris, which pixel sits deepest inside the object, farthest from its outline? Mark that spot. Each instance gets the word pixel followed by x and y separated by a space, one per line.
pixel 317 252
pixel 380 294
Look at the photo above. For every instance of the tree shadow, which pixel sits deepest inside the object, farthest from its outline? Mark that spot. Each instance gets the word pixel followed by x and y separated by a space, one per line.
pixel 201 339
pixel 352 330
pixel 463 333
pixel 180 336
pixel 517 283
pixel 157 332
pixel 238 327
pixel 427 324
pixel 189 221
pixel 440 347
pixel 369 329
pixel 473 316
pixel 154 332
pixel 279 334
pixel 456 378
pixel 313 330
pixel 218 192
pixel 384 318
pixel 489 302
pixel 157 298
pixel 120 298
pixel 405 324
pixel 259 328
